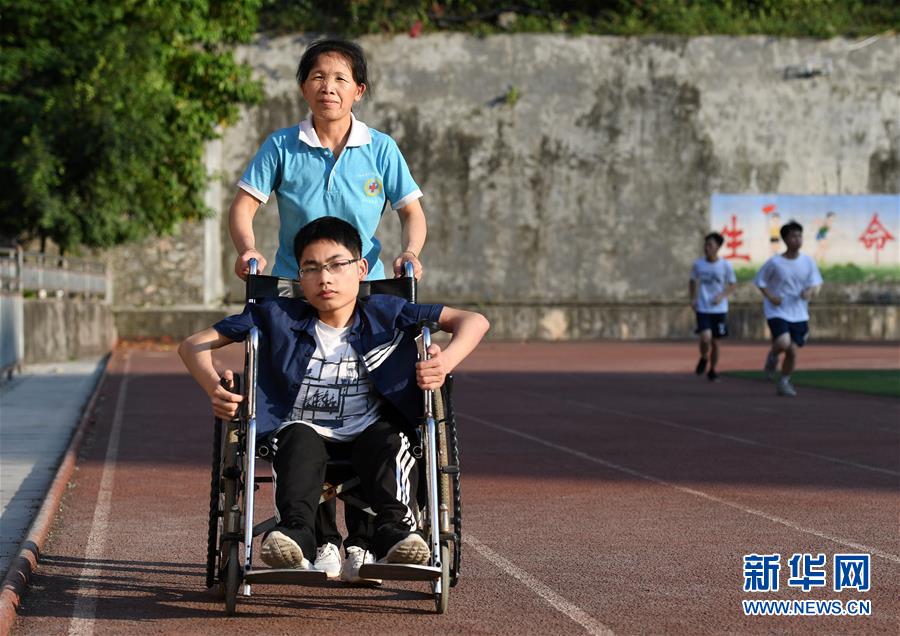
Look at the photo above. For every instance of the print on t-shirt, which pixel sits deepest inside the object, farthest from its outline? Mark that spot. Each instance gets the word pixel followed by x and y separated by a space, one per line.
pixel 334 391
pixel 336 398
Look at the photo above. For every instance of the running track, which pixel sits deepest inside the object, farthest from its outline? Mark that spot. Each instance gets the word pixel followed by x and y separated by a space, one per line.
pixel 605 490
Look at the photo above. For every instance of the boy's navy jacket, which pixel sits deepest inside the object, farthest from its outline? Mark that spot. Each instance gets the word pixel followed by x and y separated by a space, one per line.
pixel 382 334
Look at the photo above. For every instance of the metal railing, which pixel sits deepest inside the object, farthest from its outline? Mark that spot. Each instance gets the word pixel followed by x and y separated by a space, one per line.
pixel 44 276
pixel 12 313
pixel 63 276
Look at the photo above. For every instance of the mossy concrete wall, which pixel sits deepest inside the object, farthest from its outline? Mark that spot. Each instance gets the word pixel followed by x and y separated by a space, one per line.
pixel 565 171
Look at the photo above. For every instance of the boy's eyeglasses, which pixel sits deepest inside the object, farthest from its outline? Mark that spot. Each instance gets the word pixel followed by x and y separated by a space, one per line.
pixel 335 268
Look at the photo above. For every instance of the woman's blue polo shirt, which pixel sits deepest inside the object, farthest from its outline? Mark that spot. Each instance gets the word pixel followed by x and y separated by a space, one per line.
pixel 309 183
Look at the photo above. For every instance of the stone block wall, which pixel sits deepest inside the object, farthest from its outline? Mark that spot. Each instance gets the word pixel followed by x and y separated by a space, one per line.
pixel 564 171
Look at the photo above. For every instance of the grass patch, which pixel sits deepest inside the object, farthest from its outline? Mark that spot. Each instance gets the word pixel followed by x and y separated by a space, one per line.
pixel 884 382
pixel 846 273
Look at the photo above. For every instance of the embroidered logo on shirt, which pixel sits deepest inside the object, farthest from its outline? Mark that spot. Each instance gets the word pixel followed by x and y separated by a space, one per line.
pixel 373 187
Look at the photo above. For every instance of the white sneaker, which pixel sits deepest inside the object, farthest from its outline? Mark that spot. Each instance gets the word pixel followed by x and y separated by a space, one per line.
pixel 356 558
pixel 328 560
pixel 770 366
pixel 785 388
pixel 280 551
pixel 411 549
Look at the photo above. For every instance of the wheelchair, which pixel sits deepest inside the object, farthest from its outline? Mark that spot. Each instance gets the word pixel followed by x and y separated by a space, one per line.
pixel 234 479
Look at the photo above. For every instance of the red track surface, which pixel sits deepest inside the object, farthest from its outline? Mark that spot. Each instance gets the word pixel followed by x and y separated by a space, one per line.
pixel 604 488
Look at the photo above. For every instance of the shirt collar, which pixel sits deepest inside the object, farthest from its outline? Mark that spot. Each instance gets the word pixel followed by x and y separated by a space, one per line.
pixel 305 317
pixel 359 133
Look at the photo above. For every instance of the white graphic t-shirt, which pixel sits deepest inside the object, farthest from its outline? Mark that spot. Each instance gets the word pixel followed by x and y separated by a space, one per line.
pixel 335 398
pixel 787 278
pixel 712 278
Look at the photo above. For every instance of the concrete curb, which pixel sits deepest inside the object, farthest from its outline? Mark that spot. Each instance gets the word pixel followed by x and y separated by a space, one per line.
pixel 25 564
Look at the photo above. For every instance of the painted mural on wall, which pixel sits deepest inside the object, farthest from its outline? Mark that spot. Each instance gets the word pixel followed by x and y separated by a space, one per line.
pixel 860 230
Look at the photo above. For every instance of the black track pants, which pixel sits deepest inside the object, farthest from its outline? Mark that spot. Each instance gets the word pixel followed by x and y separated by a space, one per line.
pixel 381 457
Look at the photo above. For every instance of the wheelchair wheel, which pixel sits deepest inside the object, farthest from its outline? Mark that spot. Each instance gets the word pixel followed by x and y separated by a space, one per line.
pixel 449 483
pixel 217 496
pixel 442 598
pixel 232 578
pixel 215 513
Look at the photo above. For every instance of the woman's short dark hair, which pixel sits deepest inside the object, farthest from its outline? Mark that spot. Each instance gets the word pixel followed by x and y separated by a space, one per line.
pixel 328 228
pixel 350 51
pixel 793 226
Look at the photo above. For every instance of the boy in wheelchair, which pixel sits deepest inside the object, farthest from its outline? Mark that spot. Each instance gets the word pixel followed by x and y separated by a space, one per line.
pixel 337 379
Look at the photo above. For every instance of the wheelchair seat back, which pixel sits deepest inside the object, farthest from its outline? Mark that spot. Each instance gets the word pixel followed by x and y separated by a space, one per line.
pixel 260 286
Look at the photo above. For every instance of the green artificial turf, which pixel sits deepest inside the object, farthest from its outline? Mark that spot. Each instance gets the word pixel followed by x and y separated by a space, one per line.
pixel 872 381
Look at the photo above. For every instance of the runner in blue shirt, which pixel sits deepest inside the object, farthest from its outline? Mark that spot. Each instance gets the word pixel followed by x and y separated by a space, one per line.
pixel 331 164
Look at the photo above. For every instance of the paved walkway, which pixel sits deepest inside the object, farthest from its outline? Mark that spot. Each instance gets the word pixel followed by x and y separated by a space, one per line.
pixel 38 413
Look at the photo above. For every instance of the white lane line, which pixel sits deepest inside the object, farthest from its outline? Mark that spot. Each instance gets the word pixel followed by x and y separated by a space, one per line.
pixel 558 602
pixel 85 611
pixel 705 431
pixel 697 493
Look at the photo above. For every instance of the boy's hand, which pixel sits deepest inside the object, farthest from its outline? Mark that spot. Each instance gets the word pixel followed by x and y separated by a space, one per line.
pixel 807 293
pixel 225 404
pixel 430 374
pixel 719 298
pixel 775 300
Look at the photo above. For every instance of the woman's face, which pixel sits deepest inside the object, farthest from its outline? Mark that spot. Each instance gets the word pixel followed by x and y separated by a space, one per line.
pixel 329 89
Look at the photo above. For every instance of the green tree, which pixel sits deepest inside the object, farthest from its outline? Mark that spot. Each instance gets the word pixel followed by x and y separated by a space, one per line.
pixel 816 18
pixel 106 109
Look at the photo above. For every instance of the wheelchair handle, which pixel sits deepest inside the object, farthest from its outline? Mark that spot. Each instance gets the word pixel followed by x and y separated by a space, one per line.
pixel 409 271
pixel 254 266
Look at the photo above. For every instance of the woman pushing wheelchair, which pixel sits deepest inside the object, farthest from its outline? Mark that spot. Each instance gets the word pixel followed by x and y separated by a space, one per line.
pixel 363 170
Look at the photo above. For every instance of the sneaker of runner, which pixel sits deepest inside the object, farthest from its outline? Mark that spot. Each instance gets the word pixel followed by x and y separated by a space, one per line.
pixel 785 388
pixel 701 366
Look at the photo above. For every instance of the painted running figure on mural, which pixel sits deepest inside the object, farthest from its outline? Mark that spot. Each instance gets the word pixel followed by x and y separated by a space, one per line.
pixel 822 236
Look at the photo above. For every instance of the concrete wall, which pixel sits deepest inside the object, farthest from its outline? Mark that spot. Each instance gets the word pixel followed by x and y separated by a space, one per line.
pixel 859 322
pixel 63 329
pixel 591 189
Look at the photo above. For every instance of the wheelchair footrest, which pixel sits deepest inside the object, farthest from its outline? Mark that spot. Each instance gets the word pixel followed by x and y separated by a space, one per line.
pixel 399 572
pixel 288 576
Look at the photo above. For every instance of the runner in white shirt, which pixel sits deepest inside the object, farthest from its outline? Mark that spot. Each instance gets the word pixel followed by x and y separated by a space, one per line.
pixel 787 282
pixel 712 280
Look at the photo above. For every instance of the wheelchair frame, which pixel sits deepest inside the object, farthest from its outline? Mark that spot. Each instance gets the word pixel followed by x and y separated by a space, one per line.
pixel 234 480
